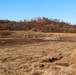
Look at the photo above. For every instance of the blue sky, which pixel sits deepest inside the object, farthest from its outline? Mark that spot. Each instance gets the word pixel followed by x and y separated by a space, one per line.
pixel 26 9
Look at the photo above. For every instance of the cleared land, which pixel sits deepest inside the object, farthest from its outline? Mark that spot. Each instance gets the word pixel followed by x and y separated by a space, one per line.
pixel 37 53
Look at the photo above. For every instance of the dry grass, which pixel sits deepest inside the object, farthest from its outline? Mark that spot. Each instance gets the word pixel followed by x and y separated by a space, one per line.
pixel 37 56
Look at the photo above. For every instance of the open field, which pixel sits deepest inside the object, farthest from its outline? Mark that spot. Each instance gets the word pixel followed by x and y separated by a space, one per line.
pixel 37 53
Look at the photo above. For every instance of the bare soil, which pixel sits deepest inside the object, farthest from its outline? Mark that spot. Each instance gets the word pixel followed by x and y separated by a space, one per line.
pixel 37 53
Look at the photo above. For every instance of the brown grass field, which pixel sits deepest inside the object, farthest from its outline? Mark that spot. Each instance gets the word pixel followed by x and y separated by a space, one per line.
pixel 37 53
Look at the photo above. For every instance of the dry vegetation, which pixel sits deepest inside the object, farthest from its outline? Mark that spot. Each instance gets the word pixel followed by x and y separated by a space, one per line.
pixel 37 53
pixel 37 47
pixel 39 24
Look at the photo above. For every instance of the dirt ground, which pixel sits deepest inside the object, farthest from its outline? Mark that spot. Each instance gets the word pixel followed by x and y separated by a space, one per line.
pixel 37 53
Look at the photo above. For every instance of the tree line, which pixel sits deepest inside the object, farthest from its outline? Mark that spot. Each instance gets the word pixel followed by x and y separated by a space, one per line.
pixel 39 24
